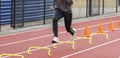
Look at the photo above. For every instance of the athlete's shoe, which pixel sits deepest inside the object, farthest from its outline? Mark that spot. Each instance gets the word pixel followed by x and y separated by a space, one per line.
pixel 73 36
pixel 55 40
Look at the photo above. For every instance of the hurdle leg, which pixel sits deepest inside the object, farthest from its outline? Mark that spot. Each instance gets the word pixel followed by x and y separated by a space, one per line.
pixel 54 45
pixel 44 48
pixel 49 52
pixel 91 37
pixel 106 35
pixel 73 45
pixel 29 52
pixel 90 40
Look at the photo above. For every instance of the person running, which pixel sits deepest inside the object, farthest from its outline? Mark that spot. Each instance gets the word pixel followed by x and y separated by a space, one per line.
pixel 62 9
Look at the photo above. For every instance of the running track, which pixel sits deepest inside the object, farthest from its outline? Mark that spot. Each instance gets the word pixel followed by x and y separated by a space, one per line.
pixel 101 47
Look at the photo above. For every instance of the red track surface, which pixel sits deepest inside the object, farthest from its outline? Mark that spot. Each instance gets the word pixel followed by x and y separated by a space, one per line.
pixel 101 47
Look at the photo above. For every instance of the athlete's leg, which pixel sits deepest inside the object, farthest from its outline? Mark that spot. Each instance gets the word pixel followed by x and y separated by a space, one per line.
pixel 57 16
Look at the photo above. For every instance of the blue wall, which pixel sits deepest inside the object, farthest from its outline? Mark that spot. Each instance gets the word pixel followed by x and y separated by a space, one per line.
pixel 33 10
pixel 5 11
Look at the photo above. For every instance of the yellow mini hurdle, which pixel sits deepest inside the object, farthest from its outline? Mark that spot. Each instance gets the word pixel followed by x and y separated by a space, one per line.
pixel 106 35
pixel 66 42
pixel 37 47
pixel 5 55
pixel 89 38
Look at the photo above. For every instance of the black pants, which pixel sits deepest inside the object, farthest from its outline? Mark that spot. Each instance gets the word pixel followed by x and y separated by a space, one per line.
pixel 67 19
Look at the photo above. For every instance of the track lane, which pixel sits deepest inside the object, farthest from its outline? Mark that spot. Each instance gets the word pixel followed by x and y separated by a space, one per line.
pixel 43 42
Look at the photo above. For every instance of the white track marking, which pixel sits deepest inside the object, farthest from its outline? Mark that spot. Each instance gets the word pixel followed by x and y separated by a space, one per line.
pixel 85 50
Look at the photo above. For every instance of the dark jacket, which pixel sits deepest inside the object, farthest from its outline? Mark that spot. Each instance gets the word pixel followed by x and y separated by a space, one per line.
pixel 64 5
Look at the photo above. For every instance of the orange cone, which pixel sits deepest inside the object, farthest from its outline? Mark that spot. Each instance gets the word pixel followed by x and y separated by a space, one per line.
pixel 87 33
pixel 111 25
pixel 119 24
pixel 100 30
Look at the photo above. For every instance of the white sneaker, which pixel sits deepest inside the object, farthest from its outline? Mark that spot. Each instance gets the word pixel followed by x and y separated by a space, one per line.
pixel 73 36
pixel 55 40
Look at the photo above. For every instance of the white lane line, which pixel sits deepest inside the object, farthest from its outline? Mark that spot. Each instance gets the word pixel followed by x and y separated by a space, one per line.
pixel 35 38
pixel 85 50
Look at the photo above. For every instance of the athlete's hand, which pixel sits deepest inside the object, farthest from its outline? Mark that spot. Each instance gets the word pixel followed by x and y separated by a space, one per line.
pixel 51 7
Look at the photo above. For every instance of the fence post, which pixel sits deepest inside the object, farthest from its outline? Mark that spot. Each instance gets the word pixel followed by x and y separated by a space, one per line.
pixel 87 13
pixel 90 7
pixel 44 12
pixel 0 15
pixel 11 25
pixel 23 13
pixel 103 7
pixel 99 7
pixel 14 14
pixel 116 6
